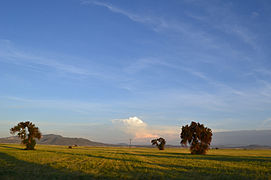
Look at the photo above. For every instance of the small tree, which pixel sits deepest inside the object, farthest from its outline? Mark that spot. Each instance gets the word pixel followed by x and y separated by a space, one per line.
pixel 28 139
pixel 198 136
pixel 160 143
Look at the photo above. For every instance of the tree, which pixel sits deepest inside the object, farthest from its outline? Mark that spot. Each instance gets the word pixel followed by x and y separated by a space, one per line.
pixel 28 137
pixel 198 136
pixel 160 143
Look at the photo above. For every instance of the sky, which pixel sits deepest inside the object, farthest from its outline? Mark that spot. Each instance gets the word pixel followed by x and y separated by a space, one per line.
pixel 114 70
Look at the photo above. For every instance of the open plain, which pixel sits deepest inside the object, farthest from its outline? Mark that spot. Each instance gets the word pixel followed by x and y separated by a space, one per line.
pixel 59 162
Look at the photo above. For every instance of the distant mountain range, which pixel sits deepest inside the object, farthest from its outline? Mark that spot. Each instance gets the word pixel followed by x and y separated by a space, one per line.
pixel 52 139
pixel 248 138
pixel 245 139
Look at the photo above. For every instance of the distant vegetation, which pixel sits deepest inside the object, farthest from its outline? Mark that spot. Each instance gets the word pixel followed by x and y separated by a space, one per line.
pixel 198 136
pixel 160 143
pixel 27 131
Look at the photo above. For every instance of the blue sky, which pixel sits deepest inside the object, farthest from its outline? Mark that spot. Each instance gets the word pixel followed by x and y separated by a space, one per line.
pixel 114 70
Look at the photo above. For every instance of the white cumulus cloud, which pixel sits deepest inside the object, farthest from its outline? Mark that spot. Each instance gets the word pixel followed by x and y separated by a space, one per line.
pixel 140 131
pixel 131 122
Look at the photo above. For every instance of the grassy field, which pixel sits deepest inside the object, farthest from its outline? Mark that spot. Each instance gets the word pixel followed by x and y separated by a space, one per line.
pixel 59 162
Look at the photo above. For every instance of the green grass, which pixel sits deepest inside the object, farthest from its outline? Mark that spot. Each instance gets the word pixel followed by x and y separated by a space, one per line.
pixel 59 162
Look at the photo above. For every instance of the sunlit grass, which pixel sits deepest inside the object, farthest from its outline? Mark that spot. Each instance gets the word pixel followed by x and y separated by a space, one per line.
pixel 59 162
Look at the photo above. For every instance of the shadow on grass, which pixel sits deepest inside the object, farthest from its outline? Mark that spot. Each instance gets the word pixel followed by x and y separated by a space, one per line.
pixel 5 146
pixel 203 157
pixel 12 168
pixel 180 156
pixel 178 170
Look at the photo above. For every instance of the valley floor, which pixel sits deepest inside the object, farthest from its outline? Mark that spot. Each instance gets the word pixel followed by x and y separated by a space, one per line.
pixel 59 162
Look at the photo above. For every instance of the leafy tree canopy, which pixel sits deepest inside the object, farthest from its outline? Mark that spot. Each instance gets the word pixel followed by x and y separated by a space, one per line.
pixel 198 136
pixel 27 131
pixel 160 143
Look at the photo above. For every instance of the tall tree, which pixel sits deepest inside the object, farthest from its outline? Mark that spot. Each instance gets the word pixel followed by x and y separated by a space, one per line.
pixel 160 143
pixel 198 136
pixel 28 136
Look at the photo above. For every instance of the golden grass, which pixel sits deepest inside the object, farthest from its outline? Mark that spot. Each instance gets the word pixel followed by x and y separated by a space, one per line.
pixel 59 162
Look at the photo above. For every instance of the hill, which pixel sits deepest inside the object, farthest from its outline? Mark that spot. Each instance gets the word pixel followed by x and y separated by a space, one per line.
pixel 245 139
pixel 242 138
pixel 52 139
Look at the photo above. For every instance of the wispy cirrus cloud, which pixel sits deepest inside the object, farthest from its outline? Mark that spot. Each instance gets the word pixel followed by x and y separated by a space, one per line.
pixel 155 22
pixel 15 102
pixel 223 18
pixel 132 16
pixel 150 62
pixel 65 65
pixel 10 54
pixel 201 37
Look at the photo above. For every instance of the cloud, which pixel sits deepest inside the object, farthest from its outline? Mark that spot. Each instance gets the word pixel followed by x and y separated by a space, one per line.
pixel 134 127
pixel 114 131
pixel 157 23
pixel 50 62
pixel 151 62
pixel 141 132
pixel 60 64
pixel 78 107
pixel 245 35
pixel 10 54
pixel 144 63
pixel 191 33
pixel 132 122
pixel 130 15
pixel 220 19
